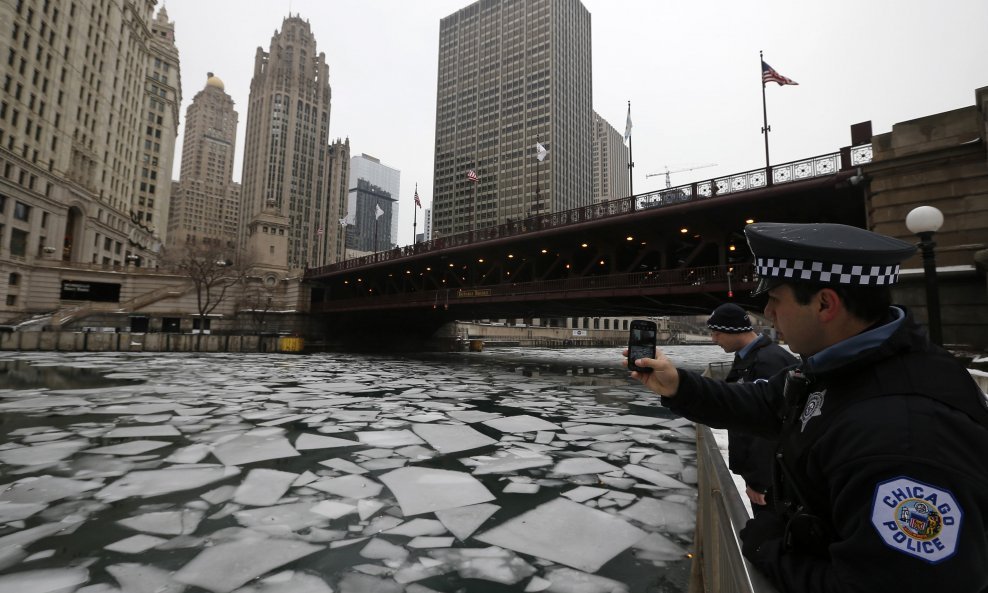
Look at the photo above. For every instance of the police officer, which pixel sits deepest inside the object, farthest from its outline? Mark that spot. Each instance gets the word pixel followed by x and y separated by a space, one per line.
pixel 882 472
pixel 756 357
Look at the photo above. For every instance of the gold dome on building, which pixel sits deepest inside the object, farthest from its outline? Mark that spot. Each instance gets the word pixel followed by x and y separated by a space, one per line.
pixel 212 80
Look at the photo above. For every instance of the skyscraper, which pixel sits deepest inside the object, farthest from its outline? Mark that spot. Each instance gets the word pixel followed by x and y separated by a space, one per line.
pixel 162 98
pixel 88 109
pixel 372 205
pixel 286 149
pixel 205 208
pixel 610 162
pixel 512 73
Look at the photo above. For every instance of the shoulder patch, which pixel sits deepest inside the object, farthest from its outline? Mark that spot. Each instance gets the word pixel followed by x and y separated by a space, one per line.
pixel 917 519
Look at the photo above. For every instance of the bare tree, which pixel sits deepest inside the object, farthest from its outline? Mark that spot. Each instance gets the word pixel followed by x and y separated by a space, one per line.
pixel 256 302
pixel 216 273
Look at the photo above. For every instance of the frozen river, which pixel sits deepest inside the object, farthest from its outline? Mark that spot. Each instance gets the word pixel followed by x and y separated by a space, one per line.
pixel 505 470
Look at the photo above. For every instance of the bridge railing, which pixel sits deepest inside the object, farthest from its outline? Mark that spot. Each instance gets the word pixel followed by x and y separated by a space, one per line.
pixel 737 276
pixel 818 166
pixel 718 564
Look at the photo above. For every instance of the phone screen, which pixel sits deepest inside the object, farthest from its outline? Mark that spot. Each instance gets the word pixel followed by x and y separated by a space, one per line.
pixel 641 344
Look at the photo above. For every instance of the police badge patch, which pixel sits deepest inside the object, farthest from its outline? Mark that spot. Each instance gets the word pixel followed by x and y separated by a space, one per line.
pixel 917 519
pixel 813 407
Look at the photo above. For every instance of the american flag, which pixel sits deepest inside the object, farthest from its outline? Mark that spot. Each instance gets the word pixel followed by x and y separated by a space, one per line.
pixel 472 176
pixel 418 202
pixel 770 75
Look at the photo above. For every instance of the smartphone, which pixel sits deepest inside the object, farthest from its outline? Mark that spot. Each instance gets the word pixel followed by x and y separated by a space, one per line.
pixel 641 343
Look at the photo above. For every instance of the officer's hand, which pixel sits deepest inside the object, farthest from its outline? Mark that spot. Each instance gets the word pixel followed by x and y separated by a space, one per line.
pixel 755 496
pixel 664 378
pixel 764 527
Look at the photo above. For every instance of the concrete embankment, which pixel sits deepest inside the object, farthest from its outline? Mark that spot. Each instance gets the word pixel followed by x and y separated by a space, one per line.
pixel 150 342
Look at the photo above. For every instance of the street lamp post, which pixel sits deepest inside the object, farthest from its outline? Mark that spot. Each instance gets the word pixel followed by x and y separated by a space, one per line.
pixel 924 221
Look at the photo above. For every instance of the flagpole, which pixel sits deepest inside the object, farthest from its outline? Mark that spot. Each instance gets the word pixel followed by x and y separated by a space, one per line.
pixel 631 160
pixel 415 216
pixel 766 128
pixel 473 204
pixel 538 165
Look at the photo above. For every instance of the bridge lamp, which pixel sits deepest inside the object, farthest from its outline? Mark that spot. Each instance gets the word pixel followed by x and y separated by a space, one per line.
pixel 545 251
pixel 732 248
pixel 601 262
pixel 630 238
pixel 480 261
pixel 749 221
pixel 428 269
pixel 684 230
pixel 407 272
pixel 511 256
pixel 584 245
pixel 924 221
pixel 567 267
pixel 451 265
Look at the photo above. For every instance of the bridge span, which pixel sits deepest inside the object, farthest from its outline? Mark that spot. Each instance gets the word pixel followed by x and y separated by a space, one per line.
pixel 673 251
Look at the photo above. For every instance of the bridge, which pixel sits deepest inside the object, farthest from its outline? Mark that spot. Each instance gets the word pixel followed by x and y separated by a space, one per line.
pixel 679 250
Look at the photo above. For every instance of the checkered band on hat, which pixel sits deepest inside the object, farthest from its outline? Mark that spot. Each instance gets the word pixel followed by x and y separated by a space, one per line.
pixel 730 329
pixel 812 271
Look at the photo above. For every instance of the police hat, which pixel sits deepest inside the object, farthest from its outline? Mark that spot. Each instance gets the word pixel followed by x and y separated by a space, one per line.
pixel 823 253
pixel 729 319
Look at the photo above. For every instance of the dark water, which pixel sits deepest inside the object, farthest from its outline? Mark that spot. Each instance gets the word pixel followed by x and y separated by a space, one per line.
pixel 242 392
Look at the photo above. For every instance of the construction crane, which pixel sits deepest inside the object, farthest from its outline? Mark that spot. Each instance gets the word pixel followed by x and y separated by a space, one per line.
pixel 667 172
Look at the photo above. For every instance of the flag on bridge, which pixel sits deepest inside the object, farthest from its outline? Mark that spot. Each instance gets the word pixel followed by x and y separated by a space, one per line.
pixel 377 211
pixel 540 151
pixel 770 75
pixel 418 202
pixel 472 176
pixel 627 125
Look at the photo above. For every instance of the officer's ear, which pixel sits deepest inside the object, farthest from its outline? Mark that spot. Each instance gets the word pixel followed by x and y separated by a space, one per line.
pixel 829 304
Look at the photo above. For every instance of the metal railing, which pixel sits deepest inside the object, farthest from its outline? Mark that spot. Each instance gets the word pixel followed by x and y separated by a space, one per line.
pixel 819 166
pixel 719 566
pixel 737 275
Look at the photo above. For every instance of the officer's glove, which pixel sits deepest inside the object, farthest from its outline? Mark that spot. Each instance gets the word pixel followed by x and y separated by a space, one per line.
pixel 764 527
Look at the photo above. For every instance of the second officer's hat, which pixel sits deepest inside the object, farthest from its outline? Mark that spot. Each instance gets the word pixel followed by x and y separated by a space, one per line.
pixel 823 253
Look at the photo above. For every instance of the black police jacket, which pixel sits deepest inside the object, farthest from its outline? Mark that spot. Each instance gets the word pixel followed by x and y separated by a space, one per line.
pixel 884 467
pixel 749 456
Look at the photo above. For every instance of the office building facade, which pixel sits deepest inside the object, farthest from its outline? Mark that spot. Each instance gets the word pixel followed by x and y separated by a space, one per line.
pixel 610 162
pixel 286 150
pixel 512 73
pixel 89 102
pixel 372 205
pixel 205 207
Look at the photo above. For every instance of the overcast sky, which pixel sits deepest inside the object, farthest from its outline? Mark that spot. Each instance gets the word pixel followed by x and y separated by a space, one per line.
pixel 689 68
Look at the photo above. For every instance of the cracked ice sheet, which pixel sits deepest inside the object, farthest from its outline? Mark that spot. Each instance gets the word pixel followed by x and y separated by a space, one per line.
pixel 650 475
pixel 42 454
pixel 576 466
pixel 451 438
pixel 263 487
pixel 350 486
pixel 45 489
pixel 423 490
pixel 182 522
pixel 592 537
pixel 256 445
pixel 155 482
pixel 463 521
pixel 523 423
pixel 227 566
pixel 130 448
pixel 389 438
pixel 44 581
